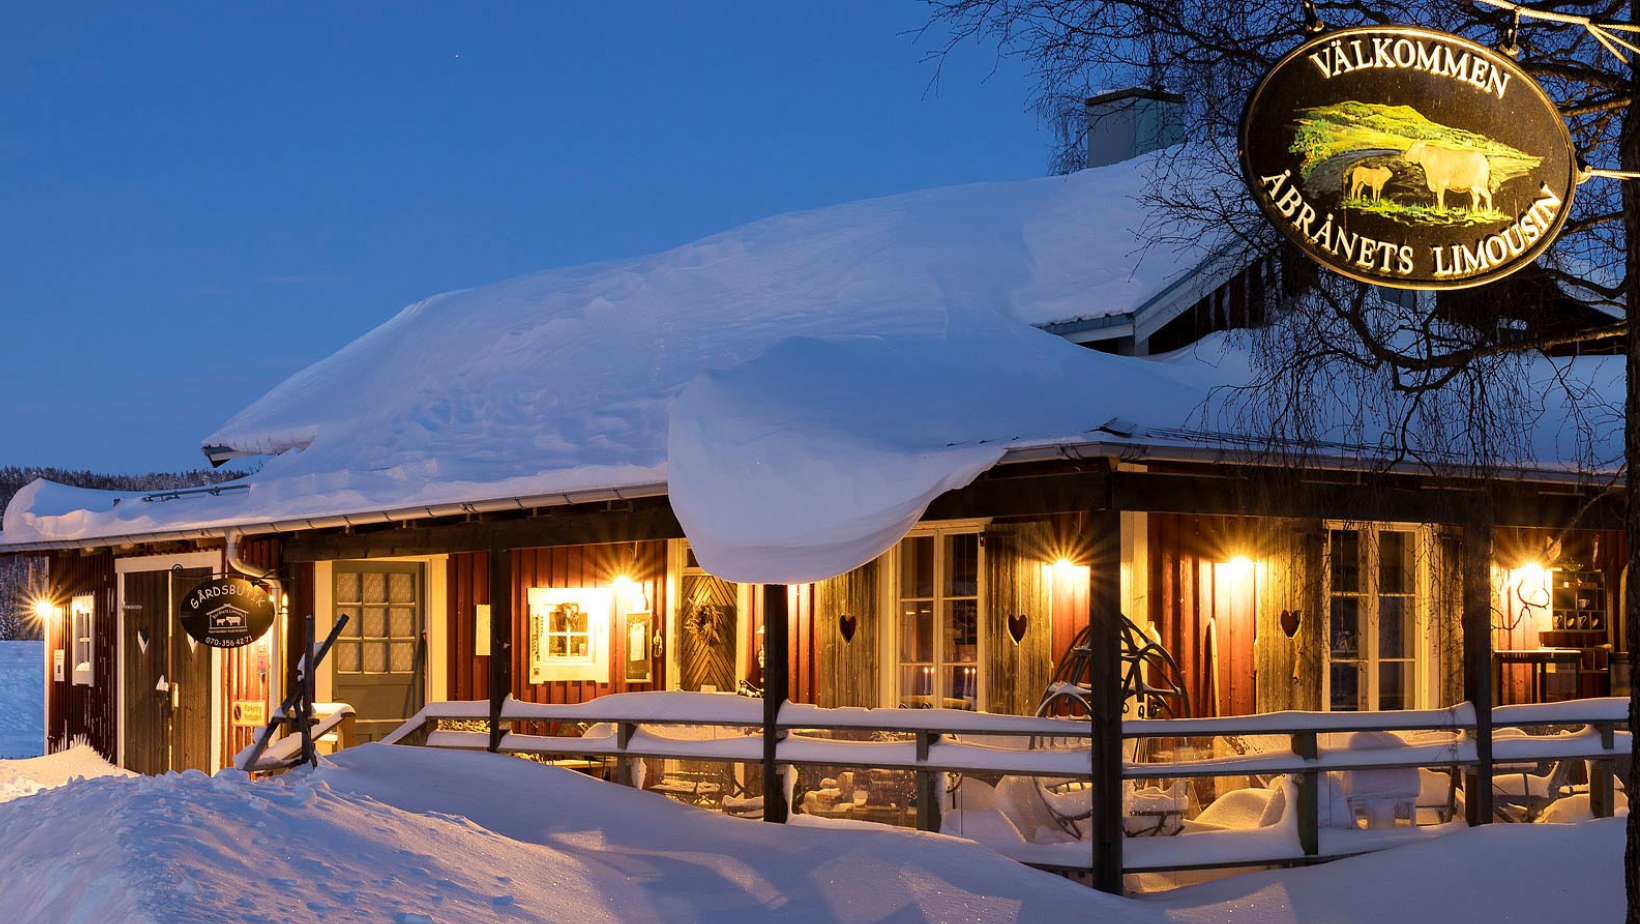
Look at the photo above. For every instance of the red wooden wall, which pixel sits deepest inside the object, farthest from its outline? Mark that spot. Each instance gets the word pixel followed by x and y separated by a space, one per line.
pixel 1185 593
pixel 79 710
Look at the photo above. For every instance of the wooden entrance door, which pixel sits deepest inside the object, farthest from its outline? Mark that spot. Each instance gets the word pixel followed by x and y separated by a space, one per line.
pixel 379 657
pixel 167 690
pixel 710 629
pixel 146 697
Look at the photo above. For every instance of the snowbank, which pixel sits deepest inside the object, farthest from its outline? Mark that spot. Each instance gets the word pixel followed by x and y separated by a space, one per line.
pixel 401 834
pixel 22 698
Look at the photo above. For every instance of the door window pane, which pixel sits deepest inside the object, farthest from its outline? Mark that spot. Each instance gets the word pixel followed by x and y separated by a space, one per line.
pixel 375 587
pixel 1397 632
pixel 917 633
pixel 962 565
pixel 1346 687
pixel 962 632
pixel 347 587
pixel 1395 685
pixel 917 567
pixel 1346 627
pixel 1394 562
pixel 1346 561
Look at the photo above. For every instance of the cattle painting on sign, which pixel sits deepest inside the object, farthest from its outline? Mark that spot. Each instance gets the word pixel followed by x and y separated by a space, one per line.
pixel 1408 158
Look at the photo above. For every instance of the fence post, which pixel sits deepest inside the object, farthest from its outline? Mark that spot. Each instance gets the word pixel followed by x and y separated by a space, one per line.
pixel 500 638
pixel 1106 695
pixel 775 674
pixel 1600 775
pixel 928 795
pixel 1309 795
pixel 1477 654
pixel 623 763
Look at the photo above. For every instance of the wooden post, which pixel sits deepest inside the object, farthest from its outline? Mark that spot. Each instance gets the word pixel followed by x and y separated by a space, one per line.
pixel 623 763
pixel 1477 655
pixel 304 711
pixel 1309 792
pixel 1600 776
pixel 501 597
pixel 928 790
pixel 775 674
pixel 1105 697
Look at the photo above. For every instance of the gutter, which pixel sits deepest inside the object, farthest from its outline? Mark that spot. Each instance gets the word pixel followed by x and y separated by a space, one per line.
pixel 376 518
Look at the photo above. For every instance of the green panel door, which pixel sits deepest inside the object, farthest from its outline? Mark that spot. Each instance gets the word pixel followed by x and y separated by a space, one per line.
pixel 145 698
pixel 377 664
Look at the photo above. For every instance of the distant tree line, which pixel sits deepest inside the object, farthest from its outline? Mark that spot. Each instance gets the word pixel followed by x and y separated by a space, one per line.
pixel 23 577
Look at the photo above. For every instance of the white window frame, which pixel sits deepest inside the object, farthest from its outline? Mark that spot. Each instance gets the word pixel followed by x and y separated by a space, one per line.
pixel 890 601
pixel 1423 577
pixel 82 625
pixel 599 605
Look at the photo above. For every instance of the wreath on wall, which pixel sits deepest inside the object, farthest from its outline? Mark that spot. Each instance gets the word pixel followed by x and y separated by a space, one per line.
pixel 706 623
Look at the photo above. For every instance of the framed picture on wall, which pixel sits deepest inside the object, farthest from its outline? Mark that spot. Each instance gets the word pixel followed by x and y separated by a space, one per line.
pixel 640 655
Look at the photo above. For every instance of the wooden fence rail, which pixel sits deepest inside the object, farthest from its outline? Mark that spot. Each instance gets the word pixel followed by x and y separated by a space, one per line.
pixel 628 727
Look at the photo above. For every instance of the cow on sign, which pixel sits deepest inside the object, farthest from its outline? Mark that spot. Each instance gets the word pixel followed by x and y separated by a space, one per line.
pixel 1372 178
pixel 1459 171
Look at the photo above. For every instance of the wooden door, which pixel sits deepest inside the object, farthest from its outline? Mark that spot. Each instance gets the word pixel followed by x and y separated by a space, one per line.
pixel 190 679
pixel 377 664
pixel 146 698
pixel 710 628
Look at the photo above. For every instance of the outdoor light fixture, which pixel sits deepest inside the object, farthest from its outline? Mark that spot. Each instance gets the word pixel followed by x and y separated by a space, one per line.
pixel 1239 568
pixel 44 609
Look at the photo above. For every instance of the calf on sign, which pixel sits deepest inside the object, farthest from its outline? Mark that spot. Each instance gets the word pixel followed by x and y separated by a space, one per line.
pixel 1459 171
pixel 1372 178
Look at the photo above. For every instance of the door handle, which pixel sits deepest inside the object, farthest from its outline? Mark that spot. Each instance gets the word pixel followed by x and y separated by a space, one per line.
pixel 176 699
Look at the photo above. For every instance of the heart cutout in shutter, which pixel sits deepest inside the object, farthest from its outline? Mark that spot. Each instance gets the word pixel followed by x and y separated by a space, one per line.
pixel 142 640
pixel 846 625
pixel 1016 627
pixel 1289 622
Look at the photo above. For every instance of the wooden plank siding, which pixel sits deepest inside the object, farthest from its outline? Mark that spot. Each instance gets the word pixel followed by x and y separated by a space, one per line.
pixel 1017 585
pixel 88 711
pixel 849 672
pixel 1192 606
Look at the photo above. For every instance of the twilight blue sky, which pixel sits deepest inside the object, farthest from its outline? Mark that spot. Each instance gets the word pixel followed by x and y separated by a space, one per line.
pixel 198 199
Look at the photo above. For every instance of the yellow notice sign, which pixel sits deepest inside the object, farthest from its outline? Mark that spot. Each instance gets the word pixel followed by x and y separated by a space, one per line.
pixel 250 712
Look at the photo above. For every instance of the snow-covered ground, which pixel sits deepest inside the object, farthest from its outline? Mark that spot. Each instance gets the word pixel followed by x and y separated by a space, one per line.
pixel 22 699
pixel 398 834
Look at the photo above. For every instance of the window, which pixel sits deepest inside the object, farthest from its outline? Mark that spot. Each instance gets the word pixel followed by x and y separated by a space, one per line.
pixel 383 604
pixel 1374 597
pixel 938 638
pixel 569 633
pixel 82 617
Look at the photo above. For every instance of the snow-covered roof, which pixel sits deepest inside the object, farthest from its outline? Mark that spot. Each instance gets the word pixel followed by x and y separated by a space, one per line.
pixel 801 387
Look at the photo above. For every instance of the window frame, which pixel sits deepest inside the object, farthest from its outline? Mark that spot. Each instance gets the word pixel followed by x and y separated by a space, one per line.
pixel 82 631
pixel 1369 655
pixel 892 603
pixel 598 603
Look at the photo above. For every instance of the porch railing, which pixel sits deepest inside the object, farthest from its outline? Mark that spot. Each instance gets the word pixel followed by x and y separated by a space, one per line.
pixel 625 728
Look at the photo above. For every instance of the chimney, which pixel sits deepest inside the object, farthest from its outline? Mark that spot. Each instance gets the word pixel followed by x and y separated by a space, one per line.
pixel 1123 124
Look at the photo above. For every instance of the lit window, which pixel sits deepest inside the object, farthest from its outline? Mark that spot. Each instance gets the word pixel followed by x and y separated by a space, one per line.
pixel 569 633
pixel 939 619
pixel 82 618
pixel 1375 595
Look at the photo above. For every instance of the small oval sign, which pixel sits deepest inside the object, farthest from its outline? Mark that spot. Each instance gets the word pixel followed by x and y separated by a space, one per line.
pixel 227 613
pixel 1409 158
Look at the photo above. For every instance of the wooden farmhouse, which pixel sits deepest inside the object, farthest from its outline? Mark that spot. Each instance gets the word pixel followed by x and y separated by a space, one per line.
pixel 890 454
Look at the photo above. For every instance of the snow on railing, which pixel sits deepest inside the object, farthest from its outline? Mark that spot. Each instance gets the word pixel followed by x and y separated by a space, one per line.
pixel 1315 752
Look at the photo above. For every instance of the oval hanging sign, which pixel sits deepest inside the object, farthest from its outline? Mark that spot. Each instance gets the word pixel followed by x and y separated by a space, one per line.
pixel 227 613
pixel 1409 158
